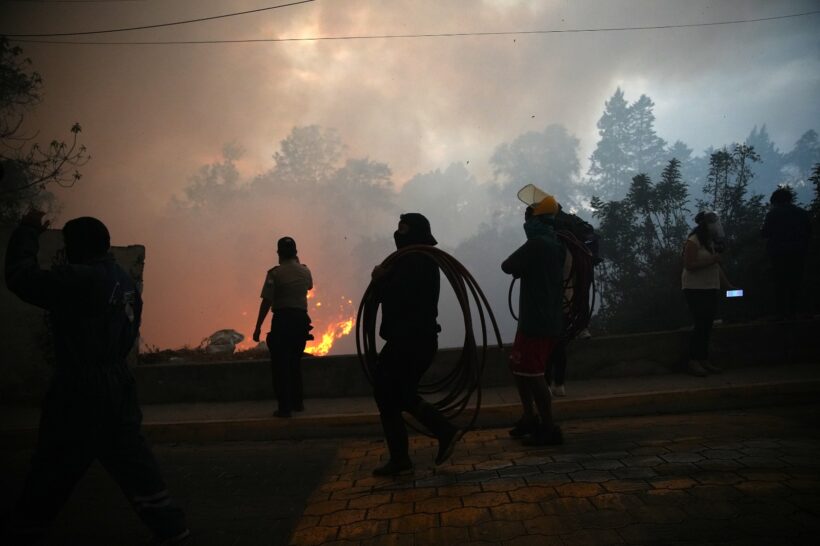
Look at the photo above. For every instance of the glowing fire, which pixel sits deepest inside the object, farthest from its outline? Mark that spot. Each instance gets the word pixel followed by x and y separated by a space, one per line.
pixel 333 332
pixel 337 327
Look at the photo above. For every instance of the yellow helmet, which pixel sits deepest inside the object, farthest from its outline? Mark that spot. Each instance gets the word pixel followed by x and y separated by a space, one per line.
pixel 547 205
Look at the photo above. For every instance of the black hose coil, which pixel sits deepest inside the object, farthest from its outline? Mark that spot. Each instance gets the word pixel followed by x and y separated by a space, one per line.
pixel 457 386
pixel 577 309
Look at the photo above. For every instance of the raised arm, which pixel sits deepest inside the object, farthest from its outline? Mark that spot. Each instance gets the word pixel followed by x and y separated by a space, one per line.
pixel 24 276
pixel 516 264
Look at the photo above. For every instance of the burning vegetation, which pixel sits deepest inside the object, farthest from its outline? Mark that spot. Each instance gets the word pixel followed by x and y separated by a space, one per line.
pixel 331 322
pixel 338 323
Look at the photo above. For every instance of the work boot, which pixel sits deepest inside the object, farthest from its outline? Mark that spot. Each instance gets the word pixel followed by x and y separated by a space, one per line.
pixel 711 368
pixel 525 426
pixel 696 369
pixel 446 433
pixel 558 391
pixel 548 435
pixel 394 468
pixel 447 444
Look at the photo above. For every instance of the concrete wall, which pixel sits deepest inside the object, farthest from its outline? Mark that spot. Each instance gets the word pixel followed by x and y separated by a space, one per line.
pixel 764 344
pixel 26 358
pixel 25 353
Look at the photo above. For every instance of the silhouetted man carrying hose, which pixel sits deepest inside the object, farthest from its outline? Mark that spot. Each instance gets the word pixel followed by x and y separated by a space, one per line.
pixel 90 411
pixel 539 264
pixel 409 292
pixel 285 291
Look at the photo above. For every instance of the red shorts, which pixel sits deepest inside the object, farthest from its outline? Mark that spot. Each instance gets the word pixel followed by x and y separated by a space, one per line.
pixel 529 355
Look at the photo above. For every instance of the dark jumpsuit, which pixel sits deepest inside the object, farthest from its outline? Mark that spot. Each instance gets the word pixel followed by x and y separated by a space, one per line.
pixel 409 295
pixel 90 411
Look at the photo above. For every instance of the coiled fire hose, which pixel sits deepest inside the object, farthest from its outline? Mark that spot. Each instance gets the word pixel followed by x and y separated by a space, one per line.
pixel 451 393
pixel 577 307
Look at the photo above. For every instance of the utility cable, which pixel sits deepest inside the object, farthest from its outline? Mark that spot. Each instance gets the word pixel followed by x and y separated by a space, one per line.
pixel 451 390
pixel 16 38
pixel 159 25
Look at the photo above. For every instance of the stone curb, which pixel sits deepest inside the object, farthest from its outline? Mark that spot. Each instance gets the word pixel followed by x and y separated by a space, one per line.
pixel 346 425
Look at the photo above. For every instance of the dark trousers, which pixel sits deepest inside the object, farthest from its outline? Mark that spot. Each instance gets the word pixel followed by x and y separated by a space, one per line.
pixel 557 365
pixel 400 367
pixel 286 343
pixel 77 428
pixel 703 306
pixel 788 280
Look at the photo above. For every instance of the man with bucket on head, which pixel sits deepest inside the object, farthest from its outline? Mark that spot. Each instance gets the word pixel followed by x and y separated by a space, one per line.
pixel 539 264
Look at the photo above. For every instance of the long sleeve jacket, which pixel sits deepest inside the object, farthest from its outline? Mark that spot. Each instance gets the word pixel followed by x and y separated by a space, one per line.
pixel 94 310
pixel 409 294
pixel 539 264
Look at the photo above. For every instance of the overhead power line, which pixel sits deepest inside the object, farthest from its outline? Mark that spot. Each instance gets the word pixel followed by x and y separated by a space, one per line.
pixel 159 25
pixel 427 35
pixel 74 1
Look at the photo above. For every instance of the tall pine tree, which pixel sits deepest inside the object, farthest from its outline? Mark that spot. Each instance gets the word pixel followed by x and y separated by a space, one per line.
pixel 628 146
pixel 767 171
pixel 646 149
pixel 610 165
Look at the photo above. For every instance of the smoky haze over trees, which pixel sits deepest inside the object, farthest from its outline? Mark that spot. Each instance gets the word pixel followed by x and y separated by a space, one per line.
pixel 342 210
pixel 640 191
pixel 457 124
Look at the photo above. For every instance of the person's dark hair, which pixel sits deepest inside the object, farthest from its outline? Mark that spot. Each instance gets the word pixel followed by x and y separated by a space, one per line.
pixel 420 232
pixel 286 248
pixel 701 230
pixel 85 238
pixel 783 195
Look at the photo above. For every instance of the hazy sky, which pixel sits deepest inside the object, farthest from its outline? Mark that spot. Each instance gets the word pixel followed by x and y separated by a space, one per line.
pixel 151 115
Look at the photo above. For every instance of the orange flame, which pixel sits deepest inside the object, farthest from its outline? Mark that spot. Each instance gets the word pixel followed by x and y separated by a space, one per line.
pixel 333 332
pixel 335 329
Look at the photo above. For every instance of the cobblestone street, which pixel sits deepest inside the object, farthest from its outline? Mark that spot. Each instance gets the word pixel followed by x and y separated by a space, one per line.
pixel 739 477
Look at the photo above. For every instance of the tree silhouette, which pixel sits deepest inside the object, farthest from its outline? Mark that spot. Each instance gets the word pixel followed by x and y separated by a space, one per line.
pixel 306 160
pixel 548 159
pixel 647 149
pixel 27 168
pixel 798 163
pixel 815 203
pixel 217 183
pixel 452 200
pixel 768 170
pixel 628 146
pixel 642 236
pixel 610 163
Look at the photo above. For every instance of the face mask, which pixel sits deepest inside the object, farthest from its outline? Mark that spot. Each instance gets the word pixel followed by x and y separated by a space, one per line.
pixel 534 227
pixel 401 239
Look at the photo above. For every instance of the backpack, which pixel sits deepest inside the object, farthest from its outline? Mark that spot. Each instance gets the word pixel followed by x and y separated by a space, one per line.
pixel 581 230
pixel 581 243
